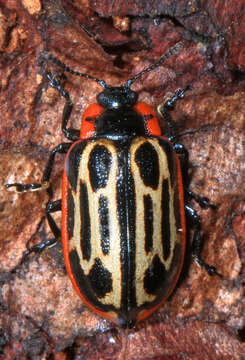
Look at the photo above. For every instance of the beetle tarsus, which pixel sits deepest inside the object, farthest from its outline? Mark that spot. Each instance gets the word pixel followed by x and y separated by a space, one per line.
pixel 204 202
pixel 164 109
pixel 179 94
pixel 211 270
pixel 27 187
pixel 38 248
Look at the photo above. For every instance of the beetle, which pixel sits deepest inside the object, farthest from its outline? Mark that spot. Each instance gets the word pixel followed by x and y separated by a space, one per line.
pixel 123 201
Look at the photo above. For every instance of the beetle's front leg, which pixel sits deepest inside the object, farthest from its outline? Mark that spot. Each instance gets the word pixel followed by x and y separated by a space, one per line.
pixel 197 242
pixel 164 110
pixel 70 134
pixel 62 149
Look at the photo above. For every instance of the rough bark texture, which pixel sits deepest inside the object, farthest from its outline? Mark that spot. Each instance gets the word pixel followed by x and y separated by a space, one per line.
pixel 41 317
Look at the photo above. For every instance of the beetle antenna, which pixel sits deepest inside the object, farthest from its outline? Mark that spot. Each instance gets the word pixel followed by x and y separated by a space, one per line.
pixel 56 61
pixel 169 53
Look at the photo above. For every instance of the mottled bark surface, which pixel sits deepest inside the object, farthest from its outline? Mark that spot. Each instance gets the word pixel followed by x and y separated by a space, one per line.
pixel 41 317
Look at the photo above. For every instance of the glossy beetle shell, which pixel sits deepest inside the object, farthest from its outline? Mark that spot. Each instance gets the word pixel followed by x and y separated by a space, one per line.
pixel 123 226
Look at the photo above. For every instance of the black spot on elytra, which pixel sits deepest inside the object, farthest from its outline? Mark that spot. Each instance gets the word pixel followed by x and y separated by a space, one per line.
pixel 85 231
pixel 99 166
pixel 148 220
pixel 104 224
pixel 70 208
pixel 100 279
pixel 155 275
pixel 165 219
pixel 84 284
pixel 147 160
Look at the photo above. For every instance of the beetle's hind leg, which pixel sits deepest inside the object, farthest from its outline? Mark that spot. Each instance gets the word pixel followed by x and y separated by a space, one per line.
pixel 203 201
pixel 197 242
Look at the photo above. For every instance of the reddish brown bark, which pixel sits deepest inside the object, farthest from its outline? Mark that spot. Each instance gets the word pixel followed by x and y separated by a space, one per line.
pixel 40 312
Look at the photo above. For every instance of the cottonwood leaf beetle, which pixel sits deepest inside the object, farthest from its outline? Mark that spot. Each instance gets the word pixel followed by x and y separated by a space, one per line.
pixel 123 201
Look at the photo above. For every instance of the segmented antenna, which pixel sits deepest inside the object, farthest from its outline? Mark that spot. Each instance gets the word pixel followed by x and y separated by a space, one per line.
pixel 169 53
pixel 102 83
pixel 57 62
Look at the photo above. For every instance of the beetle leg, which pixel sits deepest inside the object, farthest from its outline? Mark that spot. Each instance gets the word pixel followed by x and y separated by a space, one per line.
pixel 179 148
pixel 51 208
pixel 62 149
pixel 197 242
pixel 164 109
pixel 25 187
pixel 70 134
pixel 201 200
pixel 184 159
pixel 183 156
pixel 38 248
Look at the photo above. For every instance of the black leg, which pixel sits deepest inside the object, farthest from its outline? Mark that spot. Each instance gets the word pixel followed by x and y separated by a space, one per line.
pixel 202 201
pixel 62 149
pixel 164 109
pixel 51 208
pixel 197 242
pixel 26 187
pixel 71 134
pixel 180 150
pixel 183 155
pixel 38 248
